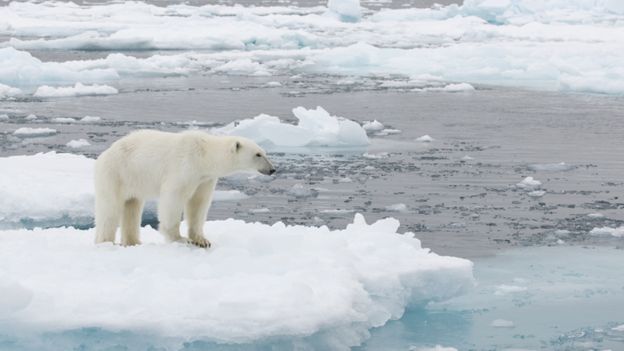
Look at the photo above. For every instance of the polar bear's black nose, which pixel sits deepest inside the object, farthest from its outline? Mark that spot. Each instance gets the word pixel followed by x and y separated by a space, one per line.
pixel 271 171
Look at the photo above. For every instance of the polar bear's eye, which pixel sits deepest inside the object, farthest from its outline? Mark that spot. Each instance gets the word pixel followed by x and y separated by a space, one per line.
pixel 258 155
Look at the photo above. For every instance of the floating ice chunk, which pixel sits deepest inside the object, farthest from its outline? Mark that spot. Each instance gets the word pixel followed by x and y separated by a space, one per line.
pixel 617 232
pixel 31 117
pixel 7 91
pixel 373 126
pixel 536 193
pixel 387 131
pixel 273 84
pixel 502 323
pixel 4 116
pixel 400 207
pixel 550 167
pixel 78 89
pixel 529 184
pixel 425 139
pixel 345 10
pixel 316 128
pixel 257 282
pixel 54 189
pixel 595 215
pixel 27 132
pixel 467 158
pixel 63 120
pixel 243 67
pixel 338 211
pixel 619 328
pixel 376 156
pixel 449 88
pixel 90 119
pixel 229 195
pixel 78 143
pixel 508 289
pixel 260 210
pixel 300 191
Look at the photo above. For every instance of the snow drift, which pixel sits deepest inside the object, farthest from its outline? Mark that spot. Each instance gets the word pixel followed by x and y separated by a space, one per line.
pixel 257 282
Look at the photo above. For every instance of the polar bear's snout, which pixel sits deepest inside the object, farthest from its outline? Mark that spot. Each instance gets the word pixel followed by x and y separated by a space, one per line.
pixel 267 167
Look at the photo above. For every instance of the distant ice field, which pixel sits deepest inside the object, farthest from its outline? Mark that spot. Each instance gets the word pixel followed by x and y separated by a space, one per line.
pixel 555 46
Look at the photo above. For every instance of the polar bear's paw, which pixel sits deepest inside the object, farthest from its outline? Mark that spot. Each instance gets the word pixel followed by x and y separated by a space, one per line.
pixel 201 242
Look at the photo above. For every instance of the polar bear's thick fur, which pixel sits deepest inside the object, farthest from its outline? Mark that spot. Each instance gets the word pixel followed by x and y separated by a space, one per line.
pixel 180 169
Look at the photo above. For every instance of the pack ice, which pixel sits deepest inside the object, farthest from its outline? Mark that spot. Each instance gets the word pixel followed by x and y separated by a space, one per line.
pixel 291 284
pixel 547 45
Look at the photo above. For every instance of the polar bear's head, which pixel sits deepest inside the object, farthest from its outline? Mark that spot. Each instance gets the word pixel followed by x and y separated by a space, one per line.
pixel 248 156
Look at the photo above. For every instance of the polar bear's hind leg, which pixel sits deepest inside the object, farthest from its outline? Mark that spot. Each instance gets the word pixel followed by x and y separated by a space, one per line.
pixel 131 222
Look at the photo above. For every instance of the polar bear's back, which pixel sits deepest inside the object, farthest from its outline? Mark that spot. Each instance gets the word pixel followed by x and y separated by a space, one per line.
pixel 137 164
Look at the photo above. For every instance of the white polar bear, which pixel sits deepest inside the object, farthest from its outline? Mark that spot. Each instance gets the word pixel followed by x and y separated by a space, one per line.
pixel 181 169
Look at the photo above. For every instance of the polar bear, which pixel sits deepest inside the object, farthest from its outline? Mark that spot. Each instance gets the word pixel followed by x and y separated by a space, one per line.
pixel 180 169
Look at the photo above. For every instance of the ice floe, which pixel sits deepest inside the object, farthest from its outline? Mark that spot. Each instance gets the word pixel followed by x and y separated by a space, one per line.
pixel 400 207
pixel 51 189
pixel 617 232
pixel 315 128
pixel 550 167
pixel 302 285
pixel 425 139
pixel 28 132
pixel 345 10
pixel 373 126
pixel 77 143
pixel 502 323
pixel 529 184
pixel 78 89
pixel 7 91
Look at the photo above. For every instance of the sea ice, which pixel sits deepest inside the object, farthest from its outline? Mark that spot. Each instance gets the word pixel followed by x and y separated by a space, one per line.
pixel 529 184
pixel 617 232
pixel 346 10
pixel 316 128
pixel 90 119
pixel 7 91
pixel 78 89
pixel 550 167
pixel 27 132
pixel 425 139
pixel 400 207
pixel 373 126
pixel 257 282
pixel 78 143
pixel 63 120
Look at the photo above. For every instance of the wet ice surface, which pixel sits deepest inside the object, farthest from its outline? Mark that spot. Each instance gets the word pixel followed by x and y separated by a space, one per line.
pixel 459 190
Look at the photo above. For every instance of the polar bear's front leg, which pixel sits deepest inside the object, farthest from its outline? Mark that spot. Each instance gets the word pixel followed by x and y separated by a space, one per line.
pixel 170 205
pixel 196 210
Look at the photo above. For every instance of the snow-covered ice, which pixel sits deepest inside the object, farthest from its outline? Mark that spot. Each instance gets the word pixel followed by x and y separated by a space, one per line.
pixel 78 89
pixel 345 10
pixel 425 139
pixel 400 207
pixel 555 45
pixel 257 282
pixel 373 126
pixel 77 143
pixel 7 91
pixel 529 184
pixel 54 189
pixel 28 132
pixel 617 232
pixel 315 128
